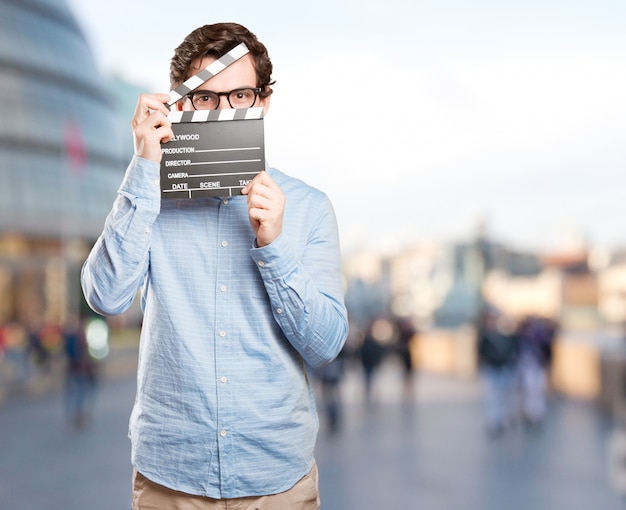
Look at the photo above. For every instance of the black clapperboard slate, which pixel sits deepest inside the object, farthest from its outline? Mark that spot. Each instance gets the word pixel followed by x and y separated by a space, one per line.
pixel 213 153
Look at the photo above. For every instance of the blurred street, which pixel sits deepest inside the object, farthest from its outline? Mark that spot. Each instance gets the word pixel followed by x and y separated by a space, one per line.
pixel 428 451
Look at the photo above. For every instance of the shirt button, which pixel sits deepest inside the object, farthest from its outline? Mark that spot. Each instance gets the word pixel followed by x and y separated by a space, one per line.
pixel 223 379
pixel 279 310
pixel 225 202
pixel 223 288
pixel 223 433
pixel 156 182
pixel 147 230
pixel 222 333
pixel 261 263
pixel 224 244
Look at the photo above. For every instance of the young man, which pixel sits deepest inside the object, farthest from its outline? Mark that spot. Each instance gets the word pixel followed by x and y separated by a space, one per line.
pixel 238 295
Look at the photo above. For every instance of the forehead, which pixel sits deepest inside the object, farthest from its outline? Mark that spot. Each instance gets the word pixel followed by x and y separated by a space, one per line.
pixel 241 73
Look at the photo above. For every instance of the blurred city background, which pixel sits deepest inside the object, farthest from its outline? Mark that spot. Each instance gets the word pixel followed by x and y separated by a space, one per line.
pixel 475 156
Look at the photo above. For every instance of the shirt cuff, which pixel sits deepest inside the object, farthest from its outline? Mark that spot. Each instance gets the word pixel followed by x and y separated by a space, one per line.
pixel 275 259
pixel 142 179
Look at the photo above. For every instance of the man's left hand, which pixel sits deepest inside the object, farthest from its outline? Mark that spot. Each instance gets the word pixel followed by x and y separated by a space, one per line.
pixel 266 205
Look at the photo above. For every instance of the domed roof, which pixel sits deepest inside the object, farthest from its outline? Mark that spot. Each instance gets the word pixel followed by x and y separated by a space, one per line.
pixel 61 154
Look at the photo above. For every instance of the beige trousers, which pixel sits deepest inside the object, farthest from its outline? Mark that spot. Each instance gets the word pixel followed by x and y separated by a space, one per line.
pixel 148 495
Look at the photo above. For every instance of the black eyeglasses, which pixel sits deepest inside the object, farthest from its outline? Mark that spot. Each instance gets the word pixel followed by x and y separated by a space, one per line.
pixel 238 98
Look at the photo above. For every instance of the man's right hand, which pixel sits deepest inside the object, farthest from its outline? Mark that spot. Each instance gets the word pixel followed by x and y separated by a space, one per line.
pixel 151 126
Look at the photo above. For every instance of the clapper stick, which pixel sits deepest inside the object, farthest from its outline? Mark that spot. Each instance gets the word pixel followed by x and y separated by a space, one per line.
pixel 207 73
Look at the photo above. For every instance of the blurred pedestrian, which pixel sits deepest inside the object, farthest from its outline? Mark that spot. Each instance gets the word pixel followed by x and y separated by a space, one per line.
pixel 4 340
pixel 38 353
pixel 371 354
pixel 406 335
pixel 330 377
pixel 80 374
pixel 536 337
pixel 498 352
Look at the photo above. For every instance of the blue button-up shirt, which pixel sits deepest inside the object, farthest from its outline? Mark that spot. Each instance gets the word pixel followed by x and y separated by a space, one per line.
pixel 223 408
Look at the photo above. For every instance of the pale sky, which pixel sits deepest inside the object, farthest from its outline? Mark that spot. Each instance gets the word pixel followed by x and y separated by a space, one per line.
pixel 420 118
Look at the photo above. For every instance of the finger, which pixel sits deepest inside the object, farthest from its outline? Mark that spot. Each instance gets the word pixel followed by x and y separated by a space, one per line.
pixel 266 188
pixel 262 178
pixel 165 133
pixel 154 102
pixel 247 189
pixel 259 202
pixel 265 179
pixel 150 133
pixel 147 104
pixel 154 126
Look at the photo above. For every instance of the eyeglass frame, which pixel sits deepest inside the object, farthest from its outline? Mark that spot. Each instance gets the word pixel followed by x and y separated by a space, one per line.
pixel 258 92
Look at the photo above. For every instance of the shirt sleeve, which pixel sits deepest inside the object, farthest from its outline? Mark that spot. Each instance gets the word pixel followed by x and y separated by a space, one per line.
pixel 306 293
pixel 118 262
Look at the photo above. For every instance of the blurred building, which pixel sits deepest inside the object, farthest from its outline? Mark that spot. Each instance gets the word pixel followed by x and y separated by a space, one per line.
pixel 612 288
pixel 61 159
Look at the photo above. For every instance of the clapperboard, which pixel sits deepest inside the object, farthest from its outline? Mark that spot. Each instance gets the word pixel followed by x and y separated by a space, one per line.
pixel 214 152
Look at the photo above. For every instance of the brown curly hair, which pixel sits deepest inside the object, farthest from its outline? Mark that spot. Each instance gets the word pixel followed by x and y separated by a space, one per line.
pixel 214 41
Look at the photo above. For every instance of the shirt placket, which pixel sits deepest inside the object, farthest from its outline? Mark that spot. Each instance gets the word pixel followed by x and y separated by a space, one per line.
pixel 223 344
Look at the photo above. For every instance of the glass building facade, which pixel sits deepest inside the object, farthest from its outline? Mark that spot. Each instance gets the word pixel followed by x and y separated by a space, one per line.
pixel 62 158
